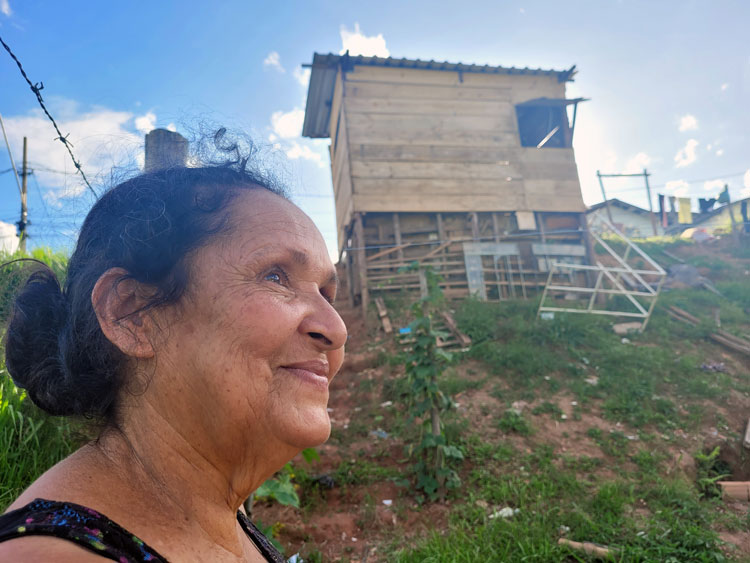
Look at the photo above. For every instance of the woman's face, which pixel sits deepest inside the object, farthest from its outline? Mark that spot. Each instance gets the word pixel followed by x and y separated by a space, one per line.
pixel 245 365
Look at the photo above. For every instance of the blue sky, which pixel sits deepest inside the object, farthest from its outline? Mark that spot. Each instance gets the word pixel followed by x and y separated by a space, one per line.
pixel 669 83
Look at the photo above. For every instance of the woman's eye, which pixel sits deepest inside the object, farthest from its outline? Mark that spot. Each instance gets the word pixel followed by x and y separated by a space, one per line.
pixel 274 277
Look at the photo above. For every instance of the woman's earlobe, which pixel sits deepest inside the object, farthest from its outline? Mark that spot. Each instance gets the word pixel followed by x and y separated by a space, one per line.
pixel 119 306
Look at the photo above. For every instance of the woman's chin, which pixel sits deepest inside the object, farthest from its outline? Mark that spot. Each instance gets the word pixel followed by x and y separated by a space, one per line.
pixel 314 433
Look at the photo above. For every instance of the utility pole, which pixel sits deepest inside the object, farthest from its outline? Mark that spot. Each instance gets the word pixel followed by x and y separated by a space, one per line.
pixel 604 196
pixel 24 209
pixel 650 204
pixel 645 175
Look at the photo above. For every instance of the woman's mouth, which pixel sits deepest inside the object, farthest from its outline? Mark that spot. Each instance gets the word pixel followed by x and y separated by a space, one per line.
pixel 314 372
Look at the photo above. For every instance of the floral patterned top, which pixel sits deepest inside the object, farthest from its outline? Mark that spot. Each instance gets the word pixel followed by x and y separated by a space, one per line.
pixel 94 531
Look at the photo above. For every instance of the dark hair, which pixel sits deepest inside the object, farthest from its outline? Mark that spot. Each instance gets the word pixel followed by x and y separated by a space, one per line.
pixel 148 225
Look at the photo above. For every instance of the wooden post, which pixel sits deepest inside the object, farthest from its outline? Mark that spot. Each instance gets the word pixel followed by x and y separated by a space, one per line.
pixel 441 228
pixel 474 225
pixel 359 233
pixel 589 244
pixel 495 227
pixel 24 209
pixel 540 222
pixel 604 195
pixel 397 234
pixel 350 275
pixel 650 204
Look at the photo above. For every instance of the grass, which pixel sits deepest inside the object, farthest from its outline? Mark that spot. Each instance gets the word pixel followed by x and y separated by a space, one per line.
pixel 30 441
pixel 653 384
pixel 671 523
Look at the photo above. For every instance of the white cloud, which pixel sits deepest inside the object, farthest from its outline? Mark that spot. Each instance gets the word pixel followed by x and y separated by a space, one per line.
pixel 719 152
pixel 637 163
pixel 746 179
pixel 678 188
pixel 724 86
pixel 359 44
pixel 288 125
pixel 172 127
pixel 688 123
pixel 146 123
pixel 5 8
pixel 686 155
pixel 302 75
pixel 744 192
pixel 101 138
pixel 296 151
pixel 273 60
pixel 8 238
pixel 713 185
pixel 286 136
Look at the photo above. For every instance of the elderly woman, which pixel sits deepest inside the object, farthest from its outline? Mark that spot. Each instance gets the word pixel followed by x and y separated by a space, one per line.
pixel 196 320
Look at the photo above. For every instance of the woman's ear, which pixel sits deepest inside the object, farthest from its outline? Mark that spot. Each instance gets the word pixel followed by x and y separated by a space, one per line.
pixel 118 303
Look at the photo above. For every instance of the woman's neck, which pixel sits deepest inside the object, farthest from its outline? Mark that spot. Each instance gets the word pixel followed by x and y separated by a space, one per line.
pixel 185 481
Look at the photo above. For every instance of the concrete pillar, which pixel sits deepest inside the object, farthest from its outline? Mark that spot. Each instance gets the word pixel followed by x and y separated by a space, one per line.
pixel 165 149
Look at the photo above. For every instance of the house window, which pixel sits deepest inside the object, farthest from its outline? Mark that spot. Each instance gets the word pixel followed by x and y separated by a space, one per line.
pixel 543 122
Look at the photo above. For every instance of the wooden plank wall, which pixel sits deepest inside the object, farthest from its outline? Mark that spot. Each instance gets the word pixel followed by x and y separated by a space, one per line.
pixel 421 140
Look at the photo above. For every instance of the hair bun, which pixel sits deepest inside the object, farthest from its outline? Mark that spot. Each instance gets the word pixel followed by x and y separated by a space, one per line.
pixel 32 351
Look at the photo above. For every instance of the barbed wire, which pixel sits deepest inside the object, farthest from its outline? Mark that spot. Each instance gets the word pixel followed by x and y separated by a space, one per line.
pixel 37 89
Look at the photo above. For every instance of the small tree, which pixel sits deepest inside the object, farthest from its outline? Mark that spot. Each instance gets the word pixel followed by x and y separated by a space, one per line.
pixel 425 362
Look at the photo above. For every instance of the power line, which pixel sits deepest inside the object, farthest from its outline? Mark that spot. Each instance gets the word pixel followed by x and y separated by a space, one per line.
pixel 688 182
pixel 37 89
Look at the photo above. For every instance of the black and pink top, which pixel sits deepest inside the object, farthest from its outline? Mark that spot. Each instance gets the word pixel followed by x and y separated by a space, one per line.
pixel 94 531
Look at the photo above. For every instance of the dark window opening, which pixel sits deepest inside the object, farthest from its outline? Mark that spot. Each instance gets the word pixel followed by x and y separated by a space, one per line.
pixel 544 123
pixel 542 126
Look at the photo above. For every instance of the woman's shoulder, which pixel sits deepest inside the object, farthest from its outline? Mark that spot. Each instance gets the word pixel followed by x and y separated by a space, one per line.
pixel 45 548
pixel 80 527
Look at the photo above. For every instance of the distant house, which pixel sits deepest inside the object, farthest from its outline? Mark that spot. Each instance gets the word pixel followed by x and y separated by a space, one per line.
pixel 465 167
pixel 633 221
pixel 717 221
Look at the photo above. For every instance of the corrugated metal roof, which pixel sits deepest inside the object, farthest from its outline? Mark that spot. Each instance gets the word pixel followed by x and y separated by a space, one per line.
pixel 325 67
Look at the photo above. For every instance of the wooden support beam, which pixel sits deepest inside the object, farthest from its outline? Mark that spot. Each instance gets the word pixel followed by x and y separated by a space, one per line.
pixel 388 251
pixel 434 251
pixel 464 340
pixel 441 227
pixel 350 278
pixel 495 227
pixel 397 234
pixel 359 233
pixel 738 490
pixel 473 217
pixel 600 551
pixel 722 337
pixel 383 314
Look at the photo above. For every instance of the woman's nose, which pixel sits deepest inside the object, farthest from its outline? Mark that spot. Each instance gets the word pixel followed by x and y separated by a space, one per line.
pixel 325 326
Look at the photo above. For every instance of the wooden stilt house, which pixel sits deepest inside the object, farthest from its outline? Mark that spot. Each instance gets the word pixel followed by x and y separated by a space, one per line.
pixel 468 168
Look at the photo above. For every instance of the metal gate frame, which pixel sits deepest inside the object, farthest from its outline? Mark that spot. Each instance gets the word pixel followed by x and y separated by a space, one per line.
pixel 618 276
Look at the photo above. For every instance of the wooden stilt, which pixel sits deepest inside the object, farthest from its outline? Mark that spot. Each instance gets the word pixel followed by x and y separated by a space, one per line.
pixel 397 234
pixel 359 233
